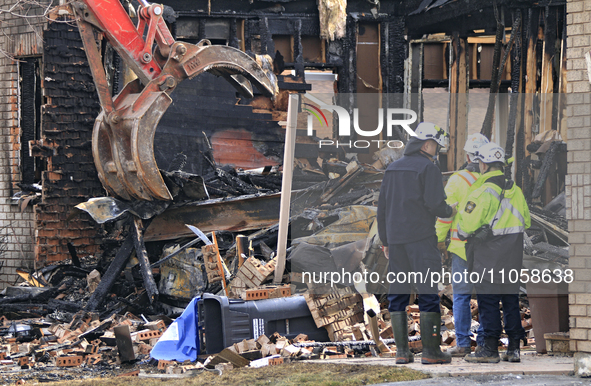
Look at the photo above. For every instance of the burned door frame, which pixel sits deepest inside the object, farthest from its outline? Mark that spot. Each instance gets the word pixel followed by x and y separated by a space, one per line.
pixel 30 100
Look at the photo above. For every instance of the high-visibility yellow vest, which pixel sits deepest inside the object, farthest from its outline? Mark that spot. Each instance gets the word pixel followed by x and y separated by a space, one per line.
pixel 456 190
pixel 507 212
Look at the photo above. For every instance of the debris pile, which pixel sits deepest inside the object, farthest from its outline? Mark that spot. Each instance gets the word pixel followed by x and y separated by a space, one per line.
pixel 45 343
pixel 154 265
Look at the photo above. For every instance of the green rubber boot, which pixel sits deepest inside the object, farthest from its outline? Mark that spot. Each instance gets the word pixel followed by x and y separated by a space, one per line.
pixel 430 329
pixel 489 353
pixel 400 330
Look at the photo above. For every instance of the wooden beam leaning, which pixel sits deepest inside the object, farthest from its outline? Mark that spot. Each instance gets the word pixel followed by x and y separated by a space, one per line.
pixel 458 104
pixel 111 275
pixel 288 157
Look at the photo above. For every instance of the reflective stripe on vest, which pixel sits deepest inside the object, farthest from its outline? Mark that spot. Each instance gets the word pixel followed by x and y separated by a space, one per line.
pixel 506 205
pixel 468 177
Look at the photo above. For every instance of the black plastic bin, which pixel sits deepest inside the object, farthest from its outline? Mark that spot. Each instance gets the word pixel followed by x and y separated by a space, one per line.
pixel 223 321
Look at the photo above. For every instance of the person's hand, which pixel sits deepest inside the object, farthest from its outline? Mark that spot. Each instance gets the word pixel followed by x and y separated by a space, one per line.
pixel 454 209
pixel 441 246
pixel 385 250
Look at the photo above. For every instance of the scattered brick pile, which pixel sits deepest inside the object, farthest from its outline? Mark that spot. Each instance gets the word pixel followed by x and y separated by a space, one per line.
pixel 86 341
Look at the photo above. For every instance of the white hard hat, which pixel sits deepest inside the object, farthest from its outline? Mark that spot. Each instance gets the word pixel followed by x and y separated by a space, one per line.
pixel 428 130
pixel 473 143
pixel 489 153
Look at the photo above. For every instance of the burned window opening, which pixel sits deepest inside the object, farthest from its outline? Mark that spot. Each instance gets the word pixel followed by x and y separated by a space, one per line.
pixel 30 101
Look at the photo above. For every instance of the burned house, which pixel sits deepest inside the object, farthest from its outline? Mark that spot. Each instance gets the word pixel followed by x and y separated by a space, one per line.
pixel 515 70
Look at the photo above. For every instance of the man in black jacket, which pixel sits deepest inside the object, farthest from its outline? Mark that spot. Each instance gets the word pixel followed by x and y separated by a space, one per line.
pixel 411 198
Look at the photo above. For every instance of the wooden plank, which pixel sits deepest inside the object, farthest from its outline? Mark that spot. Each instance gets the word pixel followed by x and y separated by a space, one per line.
pixel 534 32
pixel 458 107
pixel 547 84
pixel 485 39
pixel 124 343
pixel 288 157
pixel 241 249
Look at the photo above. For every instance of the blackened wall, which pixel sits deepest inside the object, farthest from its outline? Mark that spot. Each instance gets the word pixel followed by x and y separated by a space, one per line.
pixel 208 105
pixel 68 117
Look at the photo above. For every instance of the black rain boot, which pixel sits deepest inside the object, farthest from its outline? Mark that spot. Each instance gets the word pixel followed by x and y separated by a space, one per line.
pixel 430 328
pixel 489 353
pixel 400 330
pixel 512 353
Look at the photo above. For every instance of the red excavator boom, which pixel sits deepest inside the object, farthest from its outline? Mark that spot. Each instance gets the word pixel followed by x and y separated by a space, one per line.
pixel 123 136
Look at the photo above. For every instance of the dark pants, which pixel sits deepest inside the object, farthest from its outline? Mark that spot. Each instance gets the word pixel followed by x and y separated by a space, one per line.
pixel 413 264
pixel 490 315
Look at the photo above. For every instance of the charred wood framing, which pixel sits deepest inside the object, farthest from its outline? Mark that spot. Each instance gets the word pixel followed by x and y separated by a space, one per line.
pixel 347 79
pixel 247 35
pixel 494 81
pixel 548 85
pixel 458 106
pixel 546 169
pixel 532 26
pixel 28 118
pixel 201 29
pixel 233 34
pixel 264 35
pixel 142 256
pixel 111 275
pixel 393 51
pixel 298 50
pixel 516 69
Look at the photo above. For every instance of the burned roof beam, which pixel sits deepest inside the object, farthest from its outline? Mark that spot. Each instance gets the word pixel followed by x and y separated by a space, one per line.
pixel 470 16
pixel 236 214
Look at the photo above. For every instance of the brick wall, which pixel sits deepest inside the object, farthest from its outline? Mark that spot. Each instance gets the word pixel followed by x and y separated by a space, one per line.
pixel 71 106
pixel 578 181
pixel 21 38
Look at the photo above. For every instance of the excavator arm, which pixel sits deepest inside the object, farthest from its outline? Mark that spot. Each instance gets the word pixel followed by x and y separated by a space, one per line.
pixel 123 134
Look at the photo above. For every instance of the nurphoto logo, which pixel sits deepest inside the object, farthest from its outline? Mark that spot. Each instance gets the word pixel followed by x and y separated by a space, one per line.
pixel 394 117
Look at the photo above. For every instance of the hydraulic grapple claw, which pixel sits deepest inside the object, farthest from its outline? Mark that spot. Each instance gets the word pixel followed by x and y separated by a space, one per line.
pixel 123 136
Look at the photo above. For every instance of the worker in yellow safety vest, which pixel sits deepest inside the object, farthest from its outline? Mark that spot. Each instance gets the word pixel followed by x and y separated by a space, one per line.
pixel 493 220
pixel 456 190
